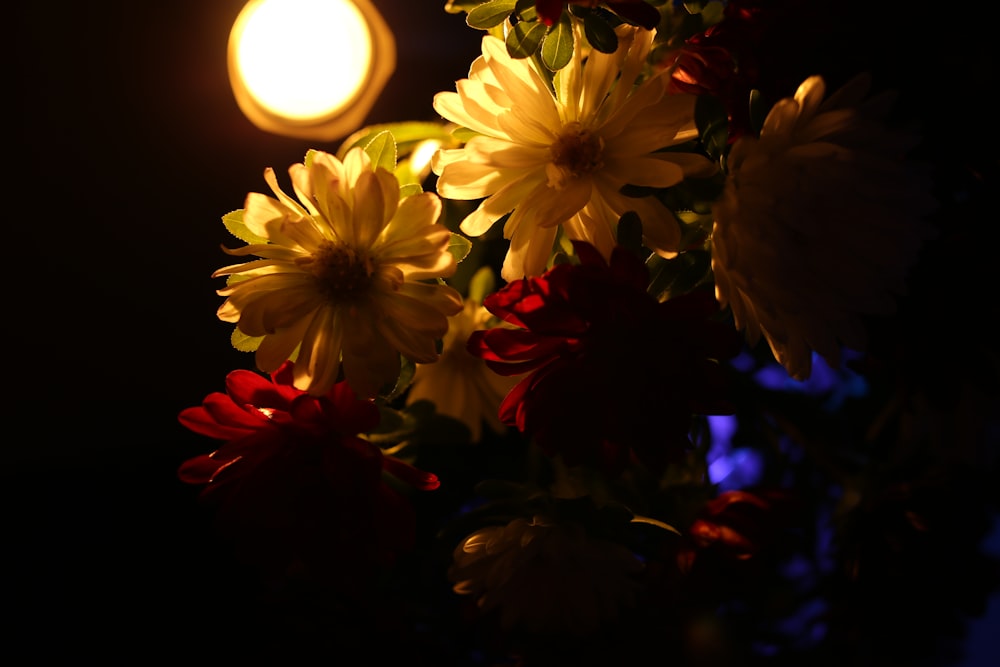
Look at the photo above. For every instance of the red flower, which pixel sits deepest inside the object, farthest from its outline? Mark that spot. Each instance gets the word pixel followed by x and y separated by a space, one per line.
pixel 616 372
pixel 734 529
pixel 636 12
pixel 294 484
pixel 735 542
pixel 730 523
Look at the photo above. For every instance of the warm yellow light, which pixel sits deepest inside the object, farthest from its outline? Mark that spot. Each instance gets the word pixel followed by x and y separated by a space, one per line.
pixel 304 58
pixel 420 159
pixel 309 68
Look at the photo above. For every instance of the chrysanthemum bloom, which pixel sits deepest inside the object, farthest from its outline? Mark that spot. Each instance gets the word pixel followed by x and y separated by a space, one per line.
pixel 341 275
pixel 293 483
pixel 819 221
pixel 561 158
pixel 637 12
pixel 545 577
pixel 460 385
pixel 613 372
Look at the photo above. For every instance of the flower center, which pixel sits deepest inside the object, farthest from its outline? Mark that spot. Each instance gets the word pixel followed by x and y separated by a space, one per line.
pixel 575 152
pixel 342 272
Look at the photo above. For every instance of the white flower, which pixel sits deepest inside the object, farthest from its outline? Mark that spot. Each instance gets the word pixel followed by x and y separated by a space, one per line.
pixel 820 219
pixel 546 577
pixel 460 385
pixel 560 157
pixel 340 275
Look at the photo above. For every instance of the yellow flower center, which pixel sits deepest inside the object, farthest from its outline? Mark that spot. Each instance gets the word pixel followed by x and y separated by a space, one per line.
pixel 343 273
pixel 574 153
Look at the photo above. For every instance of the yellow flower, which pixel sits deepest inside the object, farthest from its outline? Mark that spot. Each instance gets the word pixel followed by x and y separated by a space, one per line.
pixel 545 577
pixel 560 157
pixel 819 221
pixel 340 275
pixel 460 385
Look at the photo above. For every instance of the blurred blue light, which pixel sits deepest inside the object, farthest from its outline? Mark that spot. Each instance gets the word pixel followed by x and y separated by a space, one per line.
pixel 730 468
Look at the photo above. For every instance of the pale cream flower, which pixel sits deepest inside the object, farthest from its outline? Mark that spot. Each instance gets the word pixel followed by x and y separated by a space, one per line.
pixel 560 157
pixel 340 276
pixel 460 385
pixel 820 219
pixel 546 577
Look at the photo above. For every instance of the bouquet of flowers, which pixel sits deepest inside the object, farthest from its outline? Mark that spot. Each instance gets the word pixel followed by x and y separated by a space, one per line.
pixel 612 376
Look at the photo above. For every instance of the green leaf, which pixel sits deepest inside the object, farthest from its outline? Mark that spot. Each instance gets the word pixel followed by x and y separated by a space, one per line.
pixel 234 223
pixel 243 342
pixel 557 47
pixel 406 370
pixel 409 190
pixel 406 133
pixel 629 234
pixel 713 12
pixel 234 278
pixel 526 10
pixel 463 134
pixel 713 125
pixel 459 6
pixel 673 277
pixel 382 151
pixel 655 522
pixel 599 33
pixel 393 426
pixel 459 247
pixel 482 284
pixel 524 39
pixel 758 111
pixel 308 159
pixel 490 14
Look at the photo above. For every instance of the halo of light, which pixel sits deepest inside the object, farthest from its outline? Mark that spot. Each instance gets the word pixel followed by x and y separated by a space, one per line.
pixel 309 68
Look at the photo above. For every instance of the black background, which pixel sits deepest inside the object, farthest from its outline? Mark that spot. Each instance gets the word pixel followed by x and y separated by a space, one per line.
pixel 127 149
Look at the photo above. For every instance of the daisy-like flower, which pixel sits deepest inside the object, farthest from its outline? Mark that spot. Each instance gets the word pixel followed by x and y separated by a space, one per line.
pixel 459 384
pixel 820 219
pixel 293 482
pixel 560 158
pixel 546 577
pixel 610 372
pixel 341 275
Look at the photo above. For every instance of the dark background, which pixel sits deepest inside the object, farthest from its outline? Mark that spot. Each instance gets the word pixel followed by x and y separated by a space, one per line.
pixel 127 149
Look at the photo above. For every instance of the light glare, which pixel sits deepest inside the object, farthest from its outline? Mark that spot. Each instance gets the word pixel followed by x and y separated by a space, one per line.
pixel 303 59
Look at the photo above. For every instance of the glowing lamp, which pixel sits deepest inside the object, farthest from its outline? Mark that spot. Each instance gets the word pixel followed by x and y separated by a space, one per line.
pixel 310 69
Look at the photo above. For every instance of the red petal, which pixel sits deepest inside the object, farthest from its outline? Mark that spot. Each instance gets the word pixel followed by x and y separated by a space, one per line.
pixel 724 500
pixel 510 413
pixel 200 469
pixel 629 269
pixel 204 422
pixel 520 345
pixel 588 254
pixel 250 388
pixel 549 11
pixel 349 414
pixel 415 477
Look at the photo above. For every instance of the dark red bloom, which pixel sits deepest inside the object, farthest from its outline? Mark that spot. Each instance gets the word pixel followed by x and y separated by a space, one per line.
pixel 613 372
pixel 636 12
pixel 733 523
pixel 294 484
pixel 738 539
